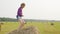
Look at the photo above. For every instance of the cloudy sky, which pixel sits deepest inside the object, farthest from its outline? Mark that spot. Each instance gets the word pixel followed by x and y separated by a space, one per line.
pixel 34 9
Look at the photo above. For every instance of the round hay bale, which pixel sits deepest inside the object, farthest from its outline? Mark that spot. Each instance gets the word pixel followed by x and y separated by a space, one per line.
pixel 52 23
pixel 27 30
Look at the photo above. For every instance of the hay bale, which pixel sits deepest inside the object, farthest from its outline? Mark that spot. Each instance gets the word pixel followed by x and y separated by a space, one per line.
pixel 27 30
pixel 1 25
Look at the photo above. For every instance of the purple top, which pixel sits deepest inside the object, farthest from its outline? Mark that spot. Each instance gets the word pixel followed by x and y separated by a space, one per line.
pixel 19 13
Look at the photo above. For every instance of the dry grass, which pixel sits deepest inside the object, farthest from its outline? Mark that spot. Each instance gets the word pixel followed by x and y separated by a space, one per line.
pixel 44 28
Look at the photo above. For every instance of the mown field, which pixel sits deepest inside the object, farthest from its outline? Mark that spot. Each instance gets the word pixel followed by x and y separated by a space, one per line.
pixel 43 27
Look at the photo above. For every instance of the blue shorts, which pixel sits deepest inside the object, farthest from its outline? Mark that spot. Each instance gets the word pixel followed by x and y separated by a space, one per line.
pixel 18 17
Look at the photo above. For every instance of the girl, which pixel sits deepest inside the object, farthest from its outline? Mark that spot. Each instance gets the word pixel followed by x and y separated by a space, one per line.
pixel 19 16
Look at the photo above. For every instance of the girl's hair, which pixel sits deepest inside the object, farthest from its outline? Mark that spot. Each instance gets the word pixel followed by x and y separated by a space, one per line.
pixel 22 4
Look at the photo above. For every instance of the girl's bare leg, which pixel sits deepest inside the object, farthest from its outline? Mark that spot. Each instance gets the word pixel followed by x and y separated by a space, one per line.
pixel 21 24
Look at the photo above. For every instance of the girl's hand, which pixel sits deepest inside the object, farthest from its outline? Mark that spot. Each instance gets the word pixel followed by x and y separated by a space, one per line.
pixel 22 15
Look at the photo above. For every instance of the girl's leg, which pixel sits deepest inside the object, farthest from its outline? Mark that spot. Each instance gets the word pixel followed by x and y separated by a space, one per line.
pixel 21 23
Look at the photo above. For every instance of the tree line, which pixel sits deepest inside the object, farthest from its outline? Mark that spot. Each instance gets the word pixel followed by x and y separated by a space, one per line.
pixel 8 19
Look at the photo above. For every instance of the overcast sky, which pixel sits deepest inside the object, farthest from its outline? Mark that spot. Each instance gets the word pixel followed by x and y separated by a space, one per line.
pixel 34 9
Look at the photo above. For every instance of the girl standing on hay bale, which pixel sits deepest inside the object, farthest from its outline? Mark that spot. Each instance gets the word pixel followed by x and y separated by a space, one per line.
pixel 19 16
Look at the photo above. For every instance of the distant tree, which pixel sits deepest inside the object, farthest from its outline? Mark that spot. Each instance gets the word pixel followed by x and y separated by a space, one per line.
pixel 3 19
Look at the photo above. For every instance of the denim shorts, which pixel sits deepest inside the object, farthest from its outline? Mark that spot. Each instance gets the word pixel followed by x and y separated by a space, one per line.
pixel 18 17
